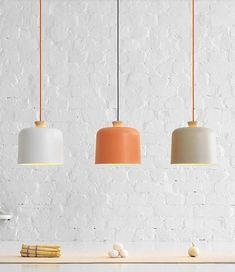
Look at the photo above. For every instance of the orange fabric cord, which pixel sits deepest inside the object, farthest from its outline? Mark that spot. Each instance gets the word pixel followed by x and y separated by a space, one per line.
pixel 40 61
pixel 193 60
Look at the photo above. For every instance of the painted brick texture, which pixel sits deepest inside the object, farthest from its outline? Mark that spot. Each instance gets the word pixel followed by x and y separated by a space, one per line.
pixel 85 202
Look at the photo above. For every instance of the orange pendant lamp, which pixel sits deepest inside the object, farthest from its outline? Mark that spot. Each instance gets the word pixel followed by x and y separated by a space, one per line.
pixel 118 145
pixel 193 145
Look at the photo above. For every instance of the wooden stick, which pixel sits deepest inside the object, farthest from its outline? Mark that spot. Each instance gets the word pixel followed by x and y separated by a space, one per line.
pixel 43 246
pixel 41 249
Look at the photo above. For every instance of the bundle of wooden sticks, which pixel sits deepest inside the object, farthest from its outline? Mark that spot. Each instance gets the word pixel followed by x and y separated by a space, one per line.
pixel 43 251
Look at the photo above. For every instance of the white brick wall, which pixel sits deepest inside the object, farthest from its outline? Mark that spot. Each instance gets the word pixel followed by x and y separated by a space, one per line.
pixel 85 202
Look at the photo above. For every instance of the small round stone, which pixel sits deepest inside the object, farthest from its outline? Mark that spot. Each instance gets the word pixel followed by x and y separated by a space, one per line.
pixel 118 246
pixel 113 253
pixel 123 253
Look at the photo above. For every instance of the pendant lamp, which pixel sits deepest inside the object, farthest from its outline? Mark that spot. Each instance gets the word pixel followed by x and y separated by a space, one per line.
pixel 117 145
pixel 193 145
pixel 40 145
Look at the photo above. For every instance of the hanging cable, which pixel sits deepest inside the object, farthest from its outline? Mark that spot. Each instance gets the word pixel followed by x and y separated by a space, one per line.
pixel 40 59
pixel 193 61
pixel 118 60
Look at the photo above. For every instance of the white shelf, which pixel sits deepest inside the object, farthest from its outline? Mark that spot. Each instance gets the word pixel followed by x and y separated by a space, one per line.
pixel 139 253
pixel 133 259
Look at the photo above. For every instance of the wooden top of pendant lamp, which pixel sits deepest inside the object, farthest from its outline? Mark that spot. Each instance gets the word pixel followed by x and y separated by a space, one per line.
pixel 40 124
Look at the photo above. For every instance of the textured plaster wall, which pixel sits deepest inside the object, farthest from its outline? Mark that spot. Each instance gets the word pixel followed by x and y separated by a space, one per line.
pixel 81 201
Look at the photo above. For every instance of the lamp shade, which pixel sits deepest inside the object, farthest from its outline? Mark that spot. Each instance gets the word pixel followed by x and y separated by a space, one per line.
pixel 117 145
pixel 193 146
pixel 40 146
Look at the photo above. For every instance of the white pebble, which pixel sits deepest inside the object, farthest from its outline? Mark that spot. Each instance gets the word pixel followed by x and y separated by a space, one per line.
pixel 113 253
pixel 123 253
pixel 118 247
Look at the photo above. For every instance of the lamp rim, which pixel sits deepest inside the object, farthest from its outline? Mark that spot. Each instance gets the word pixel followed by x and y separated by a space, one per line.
pixel 123 127
pixel 194 164
pixel 40 128
pixel 119 164
pixel 41 164
pixel 195 128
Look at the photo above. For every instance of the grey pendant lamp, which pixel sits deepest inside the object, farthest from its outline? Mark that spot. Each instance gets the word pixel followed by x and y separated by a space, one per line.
pixel 193 145
pixel 39 145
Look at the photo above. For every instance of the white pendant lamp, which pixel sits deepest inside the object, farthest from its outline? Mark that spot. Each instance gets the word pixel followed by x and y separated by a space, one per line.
pixel 193 145
pixel 117 145
pixel 40 145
